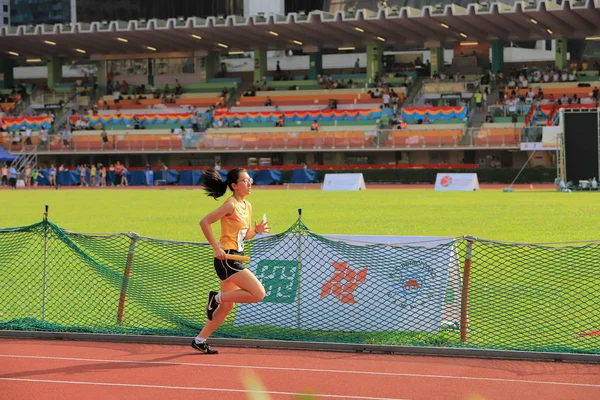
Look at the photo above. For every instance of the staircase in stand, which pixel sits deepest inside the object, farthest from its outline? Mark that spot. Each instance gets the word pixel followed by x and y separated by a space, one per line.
pixel 415 97
pixel 62 115
pixel 27 157
pixel 234 97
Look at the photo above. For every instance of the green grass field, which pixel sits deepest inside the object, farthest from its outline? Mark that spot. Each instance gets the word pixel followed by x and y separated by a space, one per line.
pixel 522 216
pixel 548 297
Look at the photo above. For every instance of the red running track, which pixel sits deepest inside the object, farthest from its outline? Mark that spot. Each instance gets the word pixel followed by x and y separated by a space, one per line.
pixel 41 370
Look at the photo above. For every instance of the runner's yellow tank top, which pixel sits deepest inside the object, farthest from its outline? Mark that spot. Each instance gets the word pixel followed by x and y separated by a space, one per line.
pixel 235 226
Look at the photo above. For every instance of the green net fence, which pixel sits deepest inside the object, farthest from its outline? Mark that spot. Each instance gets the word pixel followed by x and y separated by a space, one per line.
pixel 463 292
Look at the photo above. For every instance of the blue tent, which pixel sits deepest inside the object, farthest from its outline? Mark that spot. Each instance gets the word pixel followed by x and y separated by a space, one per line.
pixel 191 177
pixel 5 156
pixel 224 172
pixel 171 175
pixel 303 175
pixel 141 178
pixel 268 177
pixel 43 178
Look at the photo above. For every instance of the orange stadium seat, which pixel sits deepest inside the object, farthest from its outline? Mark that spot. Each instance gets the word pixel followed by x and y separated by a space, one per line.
pixel 55 144
pixel 264 140
pixel 144 103
pixel 121 143
pixel 300 100
pixel 249 141
pixel 292 141
pixel 234 141
pixel 220 141
pixel 169 142
pixel 124 143
pixel 93 143
pixel 309 140
pixel 358 139
pixel 279 140
pixel 498 137
pixel 334 139
pixel 207 141
pixel 424 138
pixel 558 91
pixel 139 142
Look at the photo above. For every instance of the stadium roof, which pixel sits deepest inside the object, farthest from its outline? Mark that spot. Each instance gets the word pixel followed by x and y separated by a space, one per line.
pixel 391 26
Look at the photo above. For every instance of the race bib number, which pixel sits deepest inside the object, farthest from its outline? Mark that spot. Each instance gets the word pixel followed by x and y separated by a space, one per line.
pixel 241 236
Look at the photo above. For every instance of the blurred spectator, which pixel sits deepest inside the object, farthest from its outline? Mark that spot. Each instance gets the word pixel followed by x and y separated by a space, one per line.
pixel 356 66
pixel 280 121
pixel 104 136
pixel 12 177
pixel 43 138
pixel 124 181
pixel 4 180
pixel 386 100
pixel 28 137
pixel 82 175
pixel 93 173
pixel 52 175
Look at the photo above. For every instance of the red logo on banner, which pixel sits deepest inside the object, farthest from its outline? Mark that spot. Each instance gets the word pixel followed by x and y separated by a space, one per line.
pixel 446 181
pixel 344 282
pixel 412 284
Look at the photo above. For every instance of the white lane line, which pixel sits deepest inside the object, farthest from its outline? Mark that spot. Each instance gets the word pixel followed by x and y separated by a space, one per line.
pixel 133 385
pixel 332 371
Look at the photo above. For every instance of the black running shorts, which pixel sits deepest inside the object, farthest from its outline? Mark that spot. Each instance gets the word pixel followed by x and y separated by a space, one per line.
pixel 226 268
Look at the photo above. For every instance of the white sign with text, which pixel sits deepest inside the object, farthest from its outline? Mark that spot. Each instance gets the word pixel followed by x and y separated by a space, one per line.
pixel 456 182
pixel 344 182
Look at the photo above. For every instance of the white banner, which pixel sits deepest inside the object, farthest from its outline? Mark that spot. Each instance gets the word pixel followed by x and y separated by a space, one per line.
pixel 321 284
pixel 550 137
pixel 532 146
pixel 456 182
pixel 253 7
pixel 344 182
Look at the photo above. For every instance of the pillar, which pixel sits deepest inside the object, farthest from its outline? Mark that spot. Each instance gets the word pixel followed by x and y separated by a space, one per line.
pixel 497 55
pixel 101 74
pixel 7 75
pixel 260 65
pixel 560 52
pixel 150 72
pixel 437 60
pixel 374 61
pixel 209 65
pixel 54 72
pixel 315 65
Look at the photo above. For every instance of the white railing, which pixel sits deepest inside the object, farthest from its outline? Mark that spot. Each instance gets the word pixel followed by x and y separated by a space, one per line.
pixel 437 86
pixel 43 98
pixel 507 111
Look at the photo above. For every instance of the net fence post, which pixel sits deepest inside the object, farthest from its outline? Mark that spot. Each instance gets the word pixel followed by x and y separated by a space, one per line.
pixel 464 304
pixel 126 274
pixel 45 263
pixel 299 319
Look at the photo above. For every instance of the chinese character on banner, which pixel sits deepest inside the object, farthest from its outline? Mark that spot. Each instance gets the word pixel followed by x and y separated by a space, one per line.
pixel 280 279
